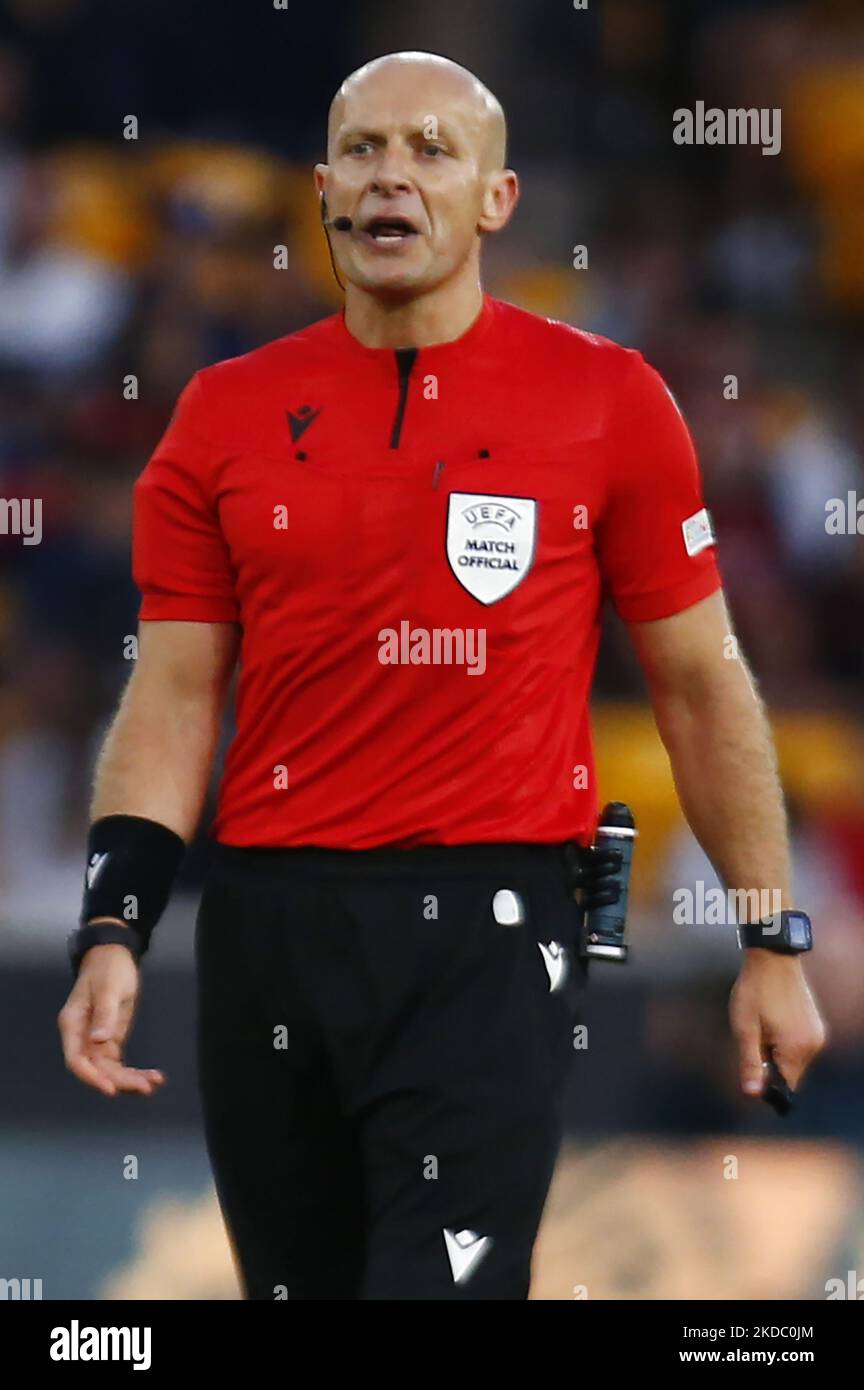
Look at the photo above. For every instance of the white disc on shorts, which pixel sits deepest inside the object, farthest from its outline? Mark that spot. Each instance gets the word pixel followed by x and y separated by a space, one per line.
pixel 507 908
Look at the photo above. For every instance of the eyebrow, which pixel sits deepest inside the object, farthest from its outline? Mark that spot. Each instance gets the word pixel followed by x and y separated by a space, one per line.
pixel 365 133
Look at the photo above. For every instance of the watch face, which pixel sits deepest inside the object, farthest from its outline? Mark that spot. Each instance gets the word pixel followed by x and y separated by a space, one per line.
pixel 798 930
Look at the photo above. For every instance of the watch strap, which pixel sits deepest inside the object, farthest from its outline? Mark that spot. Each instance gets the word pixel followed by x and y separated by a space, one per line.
pixel 766 935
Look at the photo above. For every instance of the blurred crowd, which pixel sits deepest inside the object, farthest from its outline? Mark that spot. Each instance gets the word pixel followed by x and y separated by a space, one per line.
pixel 128 263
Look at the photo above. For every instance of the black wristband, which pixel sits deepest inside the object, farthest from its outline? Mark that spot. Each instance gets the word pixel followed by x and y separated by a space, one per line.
pixel 131 866
pixel 101 934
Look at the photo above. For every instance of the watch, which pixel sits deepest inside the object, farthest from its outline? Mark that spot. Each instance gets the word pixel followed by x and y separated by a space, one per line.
pixel 789 933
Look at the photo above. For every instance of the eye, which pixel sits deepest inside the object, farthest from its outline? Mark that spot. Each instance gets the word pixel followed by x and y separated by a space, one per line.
pixel 359 145
pixel 430 149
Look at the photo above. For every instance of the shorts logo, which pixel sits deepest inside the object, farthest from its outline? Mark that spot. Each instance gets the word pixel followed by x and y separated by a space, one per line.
pixel 490 542
pixel 555 960
pixel 465 1250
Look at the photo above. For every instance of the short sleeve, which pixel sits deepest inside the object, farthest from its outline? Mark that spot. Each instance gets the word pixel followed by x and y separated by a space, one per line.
pixel 655 541
pixel 180 560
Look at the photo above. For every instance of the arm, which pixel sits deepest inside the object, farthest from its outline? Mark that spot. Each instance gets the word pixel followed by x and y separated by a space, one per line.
pixel 155 763
pixel 158 754
pixel 715 730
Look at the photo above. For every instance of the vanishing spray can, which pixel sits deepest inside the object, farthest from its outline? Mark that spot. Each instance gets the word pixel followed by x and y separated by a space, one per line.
pixel 605 925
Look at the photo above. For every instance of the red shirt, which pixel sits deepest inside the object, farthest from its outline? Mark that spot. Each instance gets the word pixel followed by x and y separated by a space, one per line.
pixel 416 546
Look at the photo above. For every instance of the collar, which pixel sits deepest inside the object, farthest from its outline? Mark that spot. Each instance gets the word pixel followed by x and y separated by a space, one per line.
pixel 441 353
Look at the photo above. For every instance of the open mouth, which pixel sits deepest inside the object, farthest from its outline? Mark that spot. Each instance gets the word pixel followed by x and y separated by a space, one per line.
pixel 386 230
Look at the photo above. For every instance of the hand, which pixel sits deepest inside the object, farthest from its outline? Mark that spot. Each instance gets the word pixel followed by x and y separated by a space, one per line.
pixel 772 1011
pixel 592 874
pixel 96 1018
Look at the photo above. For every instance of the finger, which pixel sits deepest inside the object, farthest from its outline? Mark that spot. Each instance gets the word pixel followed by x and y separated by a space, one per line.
pixel 156 1078
pixel 86 1070
pixel 604 897
pixel 125 1078
pixel 82 1067
pixel 73 1026
pixel 792 1065
pixel 752 1063
pixel 605 865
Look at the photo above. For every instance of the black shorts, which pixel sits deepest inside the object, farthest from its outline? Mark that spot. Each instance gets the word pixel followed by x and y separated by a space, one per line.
pixel 384 1037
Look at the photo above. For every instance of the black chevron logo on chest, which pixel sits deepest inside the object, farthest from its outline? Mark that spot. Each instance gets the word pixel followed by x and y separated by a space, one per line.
pixel 300 422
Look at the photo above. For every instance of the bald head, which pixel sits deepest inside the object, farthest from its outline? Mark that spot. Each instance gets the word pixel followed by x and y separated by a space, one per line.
pixel 441 87
pixel 415 166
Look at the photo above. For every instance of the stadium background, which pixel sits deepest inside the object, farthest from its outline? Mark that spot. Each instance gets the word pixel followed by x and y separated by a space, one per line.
pixel 155 257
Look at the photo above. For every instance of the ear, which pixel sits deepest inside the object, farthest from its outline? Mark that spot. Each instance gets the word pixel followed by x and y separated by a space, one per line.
pixel 319 174
pixel 500 197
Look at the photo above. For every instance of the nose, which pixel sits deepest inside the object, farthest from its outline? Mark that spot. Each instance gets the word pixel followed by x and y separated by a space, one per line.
pixel 390 175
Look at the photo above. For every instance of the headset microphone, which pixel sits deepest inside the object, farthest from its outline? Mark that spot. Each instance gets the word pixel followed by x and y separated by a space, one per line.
pixel 342 224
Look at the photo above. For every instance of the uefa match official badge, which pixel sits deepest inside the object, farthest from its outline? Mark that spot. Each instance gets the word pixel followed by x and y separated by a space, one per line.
pixel 490 542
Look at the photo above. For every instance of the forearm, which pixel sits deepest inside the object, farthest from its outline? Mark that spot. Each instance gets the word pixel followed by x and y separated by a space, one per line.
pixel 157 757
pixel 723 761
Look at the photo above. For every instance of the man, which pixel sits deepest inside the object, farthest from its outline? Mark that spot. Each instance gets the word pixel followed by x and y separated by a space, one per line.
pixel 403 520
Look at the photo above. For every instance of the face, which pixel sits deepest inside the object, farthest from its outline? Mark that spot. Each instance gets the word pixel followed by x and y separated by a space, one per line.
pixel 408 165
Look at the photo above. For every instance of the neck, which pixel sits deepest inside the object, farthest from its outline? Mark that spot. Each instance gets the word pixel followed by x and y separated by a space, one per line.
pixel 439 315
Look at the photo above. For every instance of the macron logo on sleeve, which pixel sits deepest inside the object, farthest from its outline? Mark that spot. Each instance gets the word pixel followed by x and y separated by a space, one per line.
pixel 698 532
pixel 95 867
